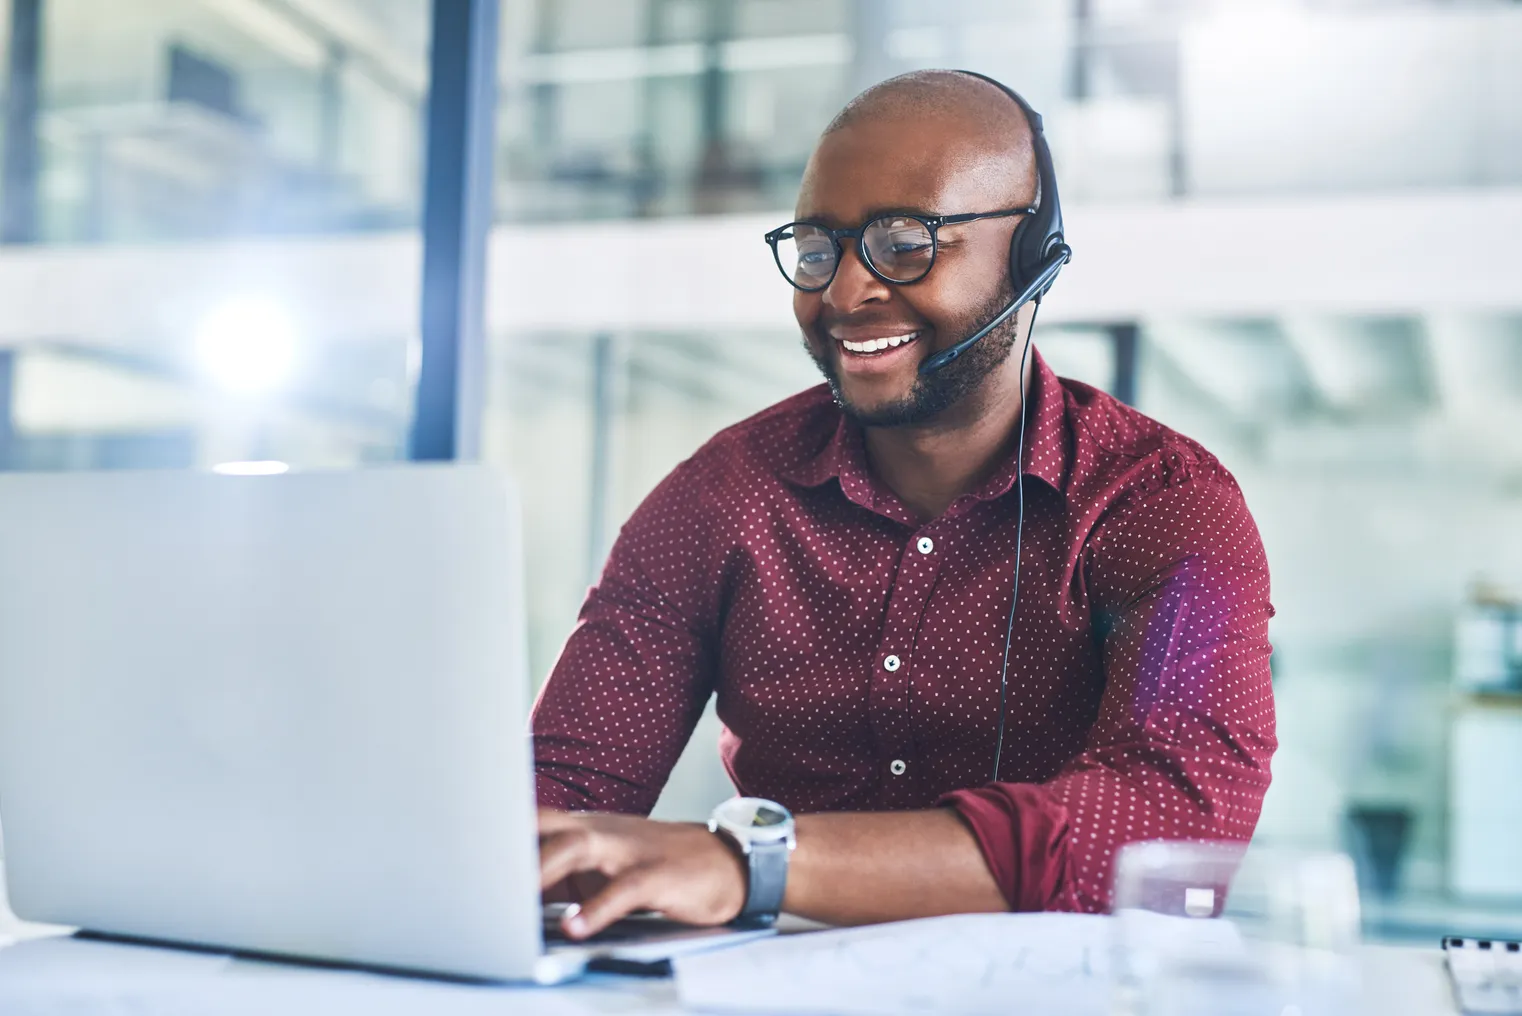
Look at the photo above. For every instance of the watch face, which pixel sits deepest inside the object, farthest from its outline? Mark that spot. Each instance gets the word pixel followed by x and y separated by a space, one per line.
pixel 768 814
pixel 754 819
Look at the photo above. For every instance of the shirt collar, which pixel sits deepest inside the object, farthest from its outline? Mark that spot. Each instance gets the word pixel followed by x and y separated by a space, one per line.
pixel 843 456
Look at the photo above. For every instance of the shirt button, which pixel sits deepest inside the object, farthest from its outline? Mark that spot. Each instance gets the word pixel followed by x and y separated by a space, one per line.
pixel 926 545
pixel 891 664
pixel 897 767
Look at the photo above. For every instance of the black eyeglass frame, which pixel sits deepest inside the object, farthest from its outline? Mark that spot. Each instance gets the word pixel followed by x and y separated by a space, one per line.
pixel 932 224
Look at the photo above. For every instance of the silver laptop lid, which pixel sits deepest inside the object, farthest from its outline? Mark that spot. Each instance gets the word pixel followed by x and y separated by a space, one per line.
pixel 284 714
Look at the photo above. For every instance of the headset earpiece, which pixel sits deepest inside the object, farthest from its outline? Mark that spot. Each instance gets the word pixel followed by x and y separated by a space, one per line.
pixel 1016 247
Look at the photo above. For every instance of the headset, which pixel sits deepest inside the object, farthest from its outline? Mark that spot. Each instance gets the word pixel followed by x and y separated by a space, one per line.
pixel 1037 253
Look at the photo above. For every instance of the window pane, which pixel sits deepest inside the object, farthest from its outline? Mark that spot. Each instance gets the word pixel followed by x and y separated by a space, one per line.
pixel 229 194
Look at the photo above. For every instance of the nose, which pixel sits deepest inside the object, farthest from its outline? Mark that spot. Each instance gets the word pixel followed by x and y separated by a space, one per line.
pixel 854 285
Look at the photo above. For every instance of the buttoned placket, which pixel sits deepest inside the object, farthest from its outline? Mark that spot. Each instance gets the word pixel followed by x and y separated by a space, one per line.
pixel 914 579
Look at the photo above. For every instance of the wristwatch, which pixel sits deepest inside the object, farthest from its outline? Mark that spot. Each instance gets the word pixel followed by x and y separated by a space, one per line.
pixel 763 833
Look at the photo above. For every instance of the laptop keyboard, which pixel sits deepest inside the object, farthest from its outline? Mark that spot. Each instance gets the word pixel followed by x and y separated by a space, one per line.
pixel 636 927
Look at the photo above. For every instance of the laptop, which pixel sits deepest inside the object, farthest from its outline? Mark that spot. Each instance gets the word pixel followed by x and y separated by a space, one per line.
pixel 282 715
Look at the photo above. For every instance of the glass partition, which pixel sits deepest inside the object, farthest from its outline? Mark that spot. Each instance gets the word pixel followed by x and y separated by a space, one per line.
pixel 675 107
pixel 189 118
pixel 189 309
pixel 184 119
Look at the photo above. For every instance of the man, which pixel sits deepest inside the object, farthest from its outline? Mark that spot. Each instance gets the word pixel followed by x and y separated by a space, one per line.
pixel 839 570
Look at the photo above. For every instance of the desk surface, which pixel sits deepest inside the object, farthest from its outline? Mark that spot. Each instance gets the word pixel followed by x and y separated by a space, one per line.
pixel 43 974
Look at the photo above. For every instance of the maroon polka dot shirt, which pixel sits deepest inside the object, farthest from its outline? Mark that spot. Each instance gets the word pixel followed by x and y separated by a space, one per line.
pixel 855 653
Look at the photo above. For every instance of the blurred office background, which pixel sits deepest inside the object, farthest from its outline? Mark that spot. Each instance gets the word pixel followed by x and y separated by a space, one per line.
pixel 1298 228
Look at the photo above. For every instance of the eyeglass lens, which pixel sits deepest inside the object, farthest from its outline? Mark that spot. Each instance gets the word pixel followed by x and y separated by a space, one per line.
pixel 899 247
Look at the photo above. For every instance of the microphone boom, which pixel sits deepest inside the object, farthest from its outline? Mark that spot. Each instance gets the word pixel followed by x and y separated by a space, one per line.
pixel 1043 278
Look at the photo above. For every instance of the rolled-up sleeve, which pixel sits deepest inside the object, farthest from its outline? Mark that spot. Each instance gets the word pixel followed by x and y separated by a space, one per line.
pixel 637 671
pixel 1181 745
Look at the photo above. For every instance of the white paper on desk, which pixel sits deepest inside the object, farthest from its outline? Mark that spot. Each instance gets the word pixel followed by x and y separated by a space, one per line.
pixel 970 963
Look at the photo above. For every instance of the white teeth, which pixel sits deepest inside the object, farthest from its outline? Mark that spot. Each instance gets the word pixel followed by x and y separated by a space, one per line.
pixel 878 345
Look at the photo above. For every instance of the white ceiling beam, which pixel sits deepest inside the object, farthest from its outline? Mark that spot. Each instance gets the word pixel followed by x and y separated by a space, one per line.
pixel 1134 263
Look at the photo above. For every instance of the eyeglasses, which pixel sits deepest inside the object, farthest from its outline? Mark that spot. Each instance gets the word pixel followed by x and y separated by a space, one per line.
pixel 897 248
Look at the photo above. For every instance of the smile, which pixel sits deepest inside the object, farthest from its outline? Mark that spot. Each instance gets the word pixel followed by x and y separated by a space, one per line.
pixel 868 347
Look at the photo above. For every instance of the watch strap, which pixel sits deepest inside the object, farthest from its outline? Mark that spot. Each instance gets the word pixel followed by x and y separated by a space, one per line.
pixel 767 883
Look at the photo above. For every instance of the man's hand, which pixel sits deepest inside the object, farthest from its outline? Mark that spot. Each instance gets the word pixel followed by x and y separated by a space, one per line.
pixel 680 869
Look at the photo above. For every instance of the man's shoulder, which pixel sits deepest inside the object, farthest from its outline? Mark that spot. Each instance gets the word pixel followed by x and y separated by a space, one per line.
pixel 763 448
pixel 1120 452
pixel 1145 498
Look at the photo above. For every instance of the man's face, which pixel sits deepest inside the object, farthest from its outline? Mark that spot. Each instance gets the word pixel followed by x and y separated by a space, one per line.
pixel 931 168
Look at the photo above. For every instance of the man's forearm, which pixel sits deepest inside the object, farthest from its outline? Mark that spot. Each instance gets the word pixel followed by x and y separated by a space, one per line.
pixel 867 867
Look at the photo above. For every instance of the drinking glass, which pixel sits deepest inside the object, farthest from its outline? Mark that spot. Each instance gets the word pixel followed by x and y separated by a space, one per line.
pixel 1212 929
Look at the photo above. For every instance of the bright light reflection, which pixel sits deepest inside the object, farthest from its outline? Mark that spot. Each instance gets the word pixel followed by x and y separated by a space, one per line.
pixel 265 468
pixel 247 345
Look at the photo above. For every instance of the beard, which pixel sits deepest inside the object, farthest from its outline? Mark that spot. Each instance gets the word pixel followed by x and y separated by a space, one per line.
pixel 932 394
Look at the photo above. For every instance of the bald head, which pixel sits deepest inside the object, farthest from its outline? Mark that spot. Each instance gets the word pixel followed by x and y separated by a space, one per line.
pixel 987 120
pixel 935 123
pixel 938 93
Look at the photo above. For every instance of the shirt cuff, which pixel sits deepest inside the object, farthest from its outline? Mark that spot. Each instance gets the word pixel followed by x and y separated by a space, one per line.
pixel 1023 834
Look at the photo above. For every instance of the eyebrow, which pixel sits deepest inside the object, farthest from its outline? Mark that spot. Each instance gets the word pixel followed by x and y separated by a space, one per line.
pixel 872 213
